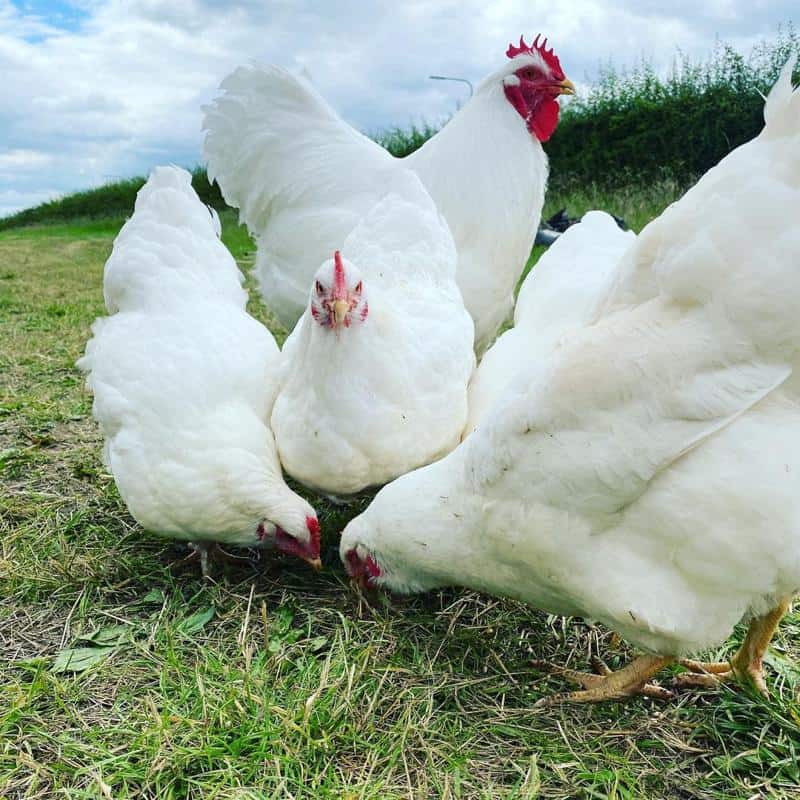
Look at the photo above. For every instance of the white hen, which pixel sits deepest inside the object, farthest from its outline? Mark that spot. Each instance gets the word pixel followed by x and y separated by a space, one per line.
pixel 303 178
pixel 647 473
pixel 559 295
pixel 376 371
pixel 184 381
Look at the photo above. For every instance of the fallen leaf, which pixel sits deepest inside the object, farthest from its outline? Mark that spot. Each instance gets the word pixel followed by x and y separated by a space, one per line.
pixel 197 621
pixel 108 636
pixel 78 659
pixel 317 643
pixel 154 596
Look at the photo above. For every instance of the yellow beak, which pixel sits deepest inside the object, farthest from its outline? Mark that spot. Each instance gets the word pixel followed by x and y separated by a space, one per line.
pixel 314 563
pixel 340 309
pixel 566 87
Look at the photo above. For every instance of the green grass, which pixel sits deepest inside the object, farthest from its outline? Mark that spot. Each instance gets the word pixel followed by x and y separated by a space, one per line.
pixel 275 682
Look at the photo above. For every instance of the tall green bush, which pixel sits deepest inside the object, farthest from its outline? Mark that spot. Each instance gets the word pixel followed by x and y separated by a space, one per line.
pixel 401 142
pixel 636 125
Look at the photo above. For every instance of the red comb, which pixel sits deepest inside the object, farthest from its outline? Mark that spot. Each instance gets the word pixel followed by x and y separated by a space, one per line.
pixel 339 287
pixel 548 55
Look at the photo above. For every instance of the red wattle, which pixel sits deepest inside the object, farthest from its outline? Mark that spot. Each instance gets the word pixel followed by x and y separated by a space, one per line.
pixel 543 121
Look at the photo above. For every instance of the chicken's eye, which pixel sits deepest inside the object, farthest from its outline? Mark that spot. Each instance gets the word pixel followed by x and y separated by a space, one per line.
pixel 358 287
pixel 320 288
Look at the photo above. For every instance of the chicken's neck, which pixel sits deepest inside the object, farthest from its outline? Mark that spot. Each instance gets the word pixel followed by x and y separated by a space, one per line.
pixel 484 156
pixel 487 175
pixel 427 530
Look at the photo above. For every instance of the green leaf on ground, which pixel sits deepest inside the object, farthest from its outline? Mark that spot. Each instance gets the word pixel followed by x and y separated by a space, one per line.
pixel 109 636
pixel 197 621
pixel 79 659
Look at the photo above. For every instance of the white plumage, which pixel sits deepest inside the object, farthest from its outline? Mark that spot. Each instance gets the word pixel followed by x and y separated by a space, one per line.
pixel 302 178
pixel 559 295
pixel 647 472
pixel 363 402
pixel 184 381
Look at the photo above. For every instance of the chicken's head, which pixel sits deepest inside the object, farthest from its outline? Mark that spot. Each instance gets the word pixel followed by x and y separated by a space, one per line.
pixel 379 553
pixel 362 567
pixel 303 541
pixel 534 84
pixel 338 299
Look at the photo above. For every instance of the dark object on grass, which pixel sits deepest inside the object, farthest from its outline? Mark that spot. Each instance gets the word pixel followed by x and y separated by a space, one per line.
pixel 560 221
pixel 552 228
pixel 545 236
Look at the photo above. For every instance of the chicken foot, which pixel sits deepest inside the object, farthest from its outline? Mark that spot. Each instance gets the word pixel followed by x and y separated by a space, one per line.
pixel 630 681
pixel 746 666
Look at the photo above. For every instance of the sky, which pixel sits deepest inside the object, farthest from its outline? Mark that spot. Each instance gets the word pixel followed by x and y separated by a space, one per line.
pixel 95 90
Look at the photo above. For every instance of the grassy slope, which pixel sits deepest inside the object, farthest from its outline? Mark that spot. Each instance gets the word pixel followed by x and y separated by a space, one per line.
pixel 296 687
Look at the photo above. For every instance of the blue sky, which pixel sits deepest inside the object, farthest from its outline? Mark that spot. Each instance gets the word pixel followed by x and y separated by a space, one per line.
pixel 55 13
pixel 100 89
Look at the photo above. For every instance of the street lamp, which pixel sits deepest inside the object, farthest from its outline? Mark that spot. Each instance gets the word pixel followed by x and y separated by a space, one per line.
pixel 446 78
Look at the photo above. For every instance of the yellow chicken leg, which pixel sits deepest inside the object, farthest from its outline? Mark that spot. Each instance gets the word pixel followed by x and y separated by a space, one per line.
pixel 748 663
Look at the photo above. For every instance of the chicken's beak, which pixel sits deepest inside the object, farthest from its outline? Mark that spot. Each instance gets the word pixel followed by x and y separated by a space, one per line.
pixel 566 87
pixel 340 309
pixel 314 563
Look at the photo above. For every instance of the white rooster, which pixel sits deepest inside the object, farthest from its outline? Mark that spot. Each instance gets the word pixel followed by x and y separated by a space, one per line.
pixel 184 381
pixel 376 371
pixel 647 472
pixel 302 178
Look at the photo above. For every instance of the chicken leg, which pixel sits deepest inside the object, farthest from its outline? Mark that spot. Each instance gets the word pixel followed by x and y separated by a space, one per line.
pixel 630 681
pixel 206 551
pixel 747 665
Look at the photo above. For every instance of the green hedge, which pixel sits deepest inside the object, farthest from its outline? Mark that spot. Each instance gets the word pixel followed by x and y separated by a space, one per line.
pixel 638 125
pixel 111 200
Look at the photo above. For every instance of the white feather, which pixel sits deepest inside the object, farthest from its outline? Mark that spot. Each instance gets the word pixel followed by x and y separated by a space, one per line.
pixel 558 296
pixel 300 176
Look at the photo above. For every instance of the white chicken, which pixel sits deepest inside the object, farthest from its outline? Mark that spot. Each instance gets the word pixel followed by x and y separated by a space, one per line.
pixel 559 295
pixel 647 472
pixel 184 381
pixel 303 178
pixel 375 373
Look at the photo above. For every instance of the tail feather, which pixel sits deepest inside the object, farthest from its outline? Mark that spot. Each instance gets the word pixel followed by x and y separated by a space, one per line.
pixel 170 250
pixel 164 177
pixel 782 108
pixel 301 177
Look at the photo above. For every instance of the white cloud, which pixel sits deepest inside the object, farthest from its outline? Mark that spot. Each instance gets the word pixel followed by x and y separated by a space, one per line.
pixel 116 87
pixel 22 159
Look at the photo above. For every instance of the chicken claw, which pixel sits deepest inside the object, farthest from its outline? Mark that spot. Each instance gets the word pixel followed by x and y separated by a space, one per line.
pixel 605 684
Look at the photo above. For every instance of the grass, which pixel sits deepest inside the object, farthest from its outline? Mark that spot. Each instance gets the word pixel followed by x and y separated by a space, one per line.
pixel 275 682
